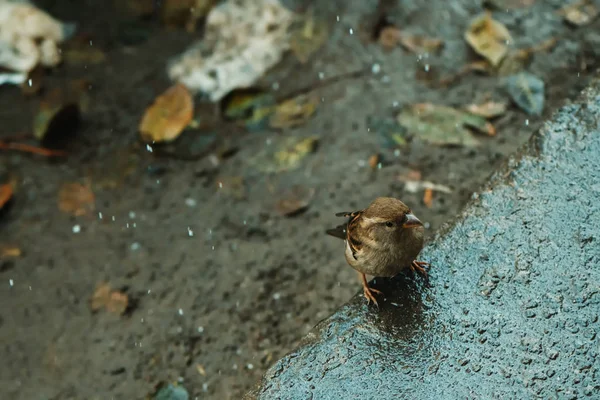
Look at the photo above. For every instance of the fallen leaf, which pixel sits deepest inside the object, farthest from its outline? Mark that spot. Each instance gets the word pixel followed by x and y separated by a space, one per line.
pixel 488 37
pixel 289 158
pixel 428 197
pixel 294 200
pixel 6 193
pixel 76 199
pixel 442 125
pixel 489 109
pixel 579 13
pixel 293 112
pixel 168 116
pixel 513 63
pixel 100 297
pixel 117 303
pixel 527 91
pixel 419 44
pixel 10 252
pixel 113 301
pixel 232 186
pixel 308 38
pixel 389 37
pixel 252 106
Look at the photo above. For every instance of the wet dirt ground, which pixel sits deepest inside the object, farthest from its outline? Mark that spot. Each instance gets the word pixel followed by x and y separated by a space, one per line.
pixel 213 309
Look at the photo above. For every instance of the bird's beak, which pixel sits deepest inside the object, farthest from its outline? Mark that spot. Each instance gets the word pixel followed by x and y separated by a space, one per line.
pixel 411 221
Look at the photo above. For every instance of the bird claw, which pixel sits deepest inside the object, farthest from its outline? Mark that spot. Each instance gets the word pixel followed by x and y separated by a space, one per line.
pixel 418 266
pixel 368 292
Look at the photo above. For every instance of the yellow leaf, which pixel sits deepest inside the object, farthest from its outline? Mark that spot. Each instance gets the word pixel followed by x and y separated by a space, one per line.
pixel 168 116
pixel 293 112
pixel 489 38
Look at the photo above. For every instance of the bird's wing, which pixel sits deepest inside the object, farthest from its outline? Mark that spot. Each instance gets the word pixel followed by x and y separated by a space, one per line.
pixel 351 230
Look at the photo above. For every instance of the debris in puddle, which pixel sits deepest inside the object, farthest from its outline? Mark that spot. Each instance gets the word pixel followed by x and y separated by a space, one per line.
pixel 415 186
pixel 168 115
pixel 489 109
pixel 200 369
pixel 294 200
pixel 293 112
pixel 488 37
pixel 243 40
pixel 579 13
pixel 252 106
pixel 6 194
pixel 443 125
pixel 390 36
pixel 308 37
pixel 112 300
pixel 527 91
pixel 76 199
pixel 30 36
pixel 375 161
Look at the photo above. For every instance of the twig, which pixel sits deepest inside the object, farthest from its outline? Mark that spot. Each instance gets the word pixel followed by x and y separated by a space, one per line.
pixel 32 149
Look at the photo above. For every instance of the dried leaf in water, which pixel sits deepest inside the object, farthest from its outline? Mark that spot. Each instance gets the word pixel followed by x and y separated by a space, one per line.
pixel 76 199
pixel 488 38
pixel 117 303
pixel 389 37
pixel 419 44
pixel 579 13
pixel 513 63
pixel 6 193
pixel 100 297
pixel 489 109
pixel 294 200
pixel 251 106
pixel 442 125
pixel 527 91
pixel 293 112
pixel 168 116
pixel 308 38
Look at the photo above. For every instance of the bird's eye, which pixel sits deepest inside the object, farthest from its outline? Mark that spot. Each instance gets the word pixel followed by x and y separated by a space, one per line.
pixel 389 224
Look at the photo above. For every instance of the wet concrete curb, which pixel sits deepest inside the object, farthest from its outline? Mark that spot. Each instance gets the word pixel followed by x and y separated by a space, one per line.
pixel 513 301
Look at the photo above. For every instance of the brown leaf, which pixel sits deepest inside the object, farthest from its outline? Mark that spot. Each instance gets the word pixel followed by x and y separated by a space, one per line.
pixel 168 116
pixel 100 297
pixel 117 303
pixel 294 201
pixel 579 13
pixel 6 193
pixel 76 199
pixel 10 252
pixel 389 37
pixel 488 38
pixel 293 112
pixel 490 109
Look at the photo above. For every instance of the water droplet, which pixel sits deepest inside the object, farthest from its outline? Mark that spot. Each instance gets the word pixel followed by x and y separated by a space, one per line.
pixel 527 122
pixel 180 311
pixel 250 366
pixel 76 229
pixel 321 75
pixel 190 202
pixel 337 18
pixel 149 148
pixel 11 282
pixel 99 215
pixel 351 31
pixel 190 232
pixel 376 68
pixel 30 82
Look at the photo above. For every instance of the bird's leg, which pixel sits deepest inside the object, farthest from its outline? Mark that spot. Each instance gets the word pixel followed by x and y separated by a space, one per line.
pixel 417 266
pixel 368 291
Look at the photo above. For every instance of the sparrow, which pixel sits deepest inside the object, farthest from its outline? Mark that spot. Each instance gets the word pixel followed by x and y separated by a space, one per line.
pixel 381 240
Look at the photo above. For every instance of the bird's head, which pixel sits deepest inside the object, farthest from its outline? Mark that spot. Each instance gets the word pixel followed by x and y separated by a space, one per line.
pixel 389 220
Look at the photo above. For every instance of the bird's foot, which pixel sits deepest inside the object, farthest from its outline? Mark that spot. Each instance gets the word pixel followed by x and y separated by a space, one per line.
pixel 368 292
pixel 418 266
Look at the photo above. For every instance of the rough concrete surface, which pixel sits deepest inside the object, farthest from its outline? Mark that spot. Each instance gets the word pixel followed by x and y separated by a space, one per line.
pixel 511 309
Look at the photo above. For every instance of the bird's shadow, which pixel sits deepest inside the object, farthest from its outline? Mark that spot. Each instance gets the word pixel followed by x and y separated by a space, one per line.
pixel 401 308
